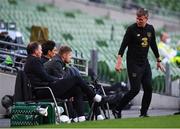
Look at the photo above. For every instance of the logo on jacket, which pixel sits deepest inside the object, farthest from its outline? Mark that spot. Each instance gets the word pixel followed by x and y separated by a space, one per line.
pixel 149 34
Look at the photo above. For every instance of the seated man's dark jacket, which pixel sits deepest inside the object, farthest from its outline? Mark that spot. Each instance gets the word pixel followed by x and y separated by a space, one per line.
pixel 36 73
pixel 44 59
pixel 56 67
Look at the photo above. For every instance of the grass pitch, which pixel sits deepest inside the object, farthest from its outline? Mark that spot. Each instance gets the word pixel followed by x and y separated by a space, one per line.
pixel 172 121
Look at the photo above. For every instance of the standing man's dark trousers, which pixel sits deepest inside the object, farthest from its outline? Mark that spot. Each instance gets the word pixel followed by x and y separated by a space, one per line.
pixel 138 74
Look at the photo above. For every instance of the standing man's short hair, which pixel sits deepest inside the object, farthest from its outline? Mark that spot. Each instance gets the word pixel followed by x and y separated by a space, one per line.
pixel 47 46
pixel 142 12
pixel 64 49
pixel 32 47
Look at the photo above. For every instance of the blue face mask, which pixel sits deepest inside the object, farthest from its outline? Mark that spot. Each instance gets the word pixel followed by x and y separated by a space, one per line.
pixel 168 40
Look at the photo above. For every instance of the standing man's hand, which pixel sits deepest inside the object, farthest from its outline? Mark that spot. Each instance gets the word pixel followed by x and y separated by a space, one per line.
pixel 118 66
pixel 160 66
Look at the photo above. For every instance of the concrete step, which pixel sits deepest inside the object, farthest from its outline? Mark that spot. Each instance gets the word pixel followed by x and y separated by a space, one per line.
pixel 159 101
pixel 5 123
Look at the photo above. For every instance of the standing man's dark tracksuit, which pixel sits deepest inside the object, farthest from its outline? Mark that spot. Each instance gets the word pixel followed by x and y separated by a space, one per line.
pixel 138 40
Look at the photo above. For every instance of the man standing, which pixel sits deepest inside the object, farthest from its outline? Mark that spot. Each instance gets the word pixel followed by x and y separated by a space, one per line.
pixel 138 38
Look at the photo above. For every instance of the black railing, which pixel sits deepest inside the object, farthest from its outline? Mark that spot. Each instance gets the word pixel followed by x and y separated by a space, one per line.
pixel 15 57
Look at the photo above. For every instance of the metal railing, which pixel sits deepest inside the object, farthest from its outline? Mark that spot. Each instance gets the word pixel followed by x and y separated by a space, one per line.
pixel 18 58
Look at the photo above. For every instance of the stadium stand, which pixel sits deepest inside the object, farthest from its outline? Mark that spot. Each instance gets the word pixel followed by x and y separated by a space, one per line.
pixel 81 32
pixel 161 7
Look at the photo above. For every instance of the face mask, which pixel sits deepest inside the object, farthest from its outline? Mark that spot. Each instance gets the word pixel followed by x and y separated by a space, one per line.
pixel 168 40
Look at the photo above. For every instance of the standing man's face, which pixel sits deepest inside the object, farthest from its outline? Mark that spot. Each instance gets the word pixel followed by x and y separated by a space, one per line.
pixel 67 57
pixel 141 21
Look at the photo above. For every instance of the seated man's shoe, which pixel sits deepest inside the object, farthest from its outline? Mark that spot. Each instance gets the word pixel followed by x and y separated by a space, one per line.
pixel 100 117
pixel 78 119
pixel 82 118
pixel 116 113
pixel 74 120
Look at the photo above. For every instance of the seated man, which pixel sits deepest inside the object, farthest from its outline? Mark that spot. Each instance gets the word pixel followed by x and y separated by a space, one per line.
pixel 169 54
pixel 62 88
pixel 57 67
pixel 4 36
pixel 49 50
